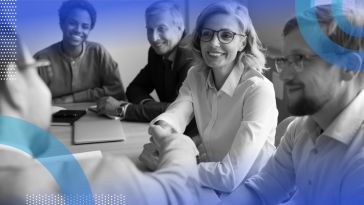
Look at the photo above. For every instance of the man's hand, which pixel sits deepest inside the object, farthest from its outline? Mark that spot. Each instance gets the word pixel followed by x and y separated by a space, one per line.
pixel 108 105
pixel 150 156
pixel 160 132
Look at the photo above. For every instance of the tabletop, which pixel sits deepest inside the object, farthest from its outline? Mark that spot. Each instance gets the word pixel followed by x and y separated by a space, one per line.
pixel 136 136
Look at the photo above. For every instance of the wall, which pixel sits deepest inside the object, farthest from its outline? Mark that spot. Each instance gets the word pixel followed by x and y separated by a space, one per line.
pixel 120 27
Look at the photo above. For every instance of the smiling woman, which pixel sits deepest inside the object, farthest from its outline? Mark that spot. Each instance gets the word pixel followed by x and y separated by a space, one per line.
pixel 80 70
pixel 232 102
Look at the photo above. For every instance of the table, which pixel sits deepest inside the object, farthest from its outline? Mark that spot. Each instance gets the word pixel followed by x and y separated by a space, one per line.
pixel 136 136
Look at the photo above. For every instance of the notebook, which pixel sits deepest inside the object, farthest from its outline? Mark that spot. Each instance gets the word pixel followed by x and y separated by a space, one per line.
pixel 94 129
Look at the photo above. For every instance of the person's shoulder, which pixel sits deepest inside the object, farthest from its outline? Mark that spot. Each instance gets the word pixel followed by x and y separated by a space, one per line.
pixel 94 48
pixel 90 45
pixel 185 51
pixel 295 128
pixel 255 79
pixel 50 50
pixel 197 74
pixel 251 74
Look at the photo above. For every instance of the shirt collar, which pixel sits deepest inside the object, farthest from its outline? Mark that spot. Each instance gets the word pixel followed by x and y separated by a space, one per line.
pixel 231 82
pixel 171 57
pixel 346 124
pixel 70 58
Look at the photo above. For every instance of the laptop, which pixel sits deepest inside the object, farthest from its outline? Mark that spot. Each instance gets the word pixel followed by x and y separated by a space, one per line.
pixel 92 128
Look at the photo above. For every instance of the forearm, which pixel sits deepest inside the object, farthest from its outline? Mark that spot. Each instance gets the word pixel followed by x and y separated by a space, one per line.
pixel 94 94
pixel 177 115
pixel 242 195
pixel 145 112
pixel 247 155
pixel 177 170
pixel 137 93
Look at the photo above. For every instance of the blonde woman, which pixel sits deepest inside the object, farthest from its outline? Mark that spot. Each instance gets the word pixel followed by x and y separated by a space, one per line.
pixel 233 103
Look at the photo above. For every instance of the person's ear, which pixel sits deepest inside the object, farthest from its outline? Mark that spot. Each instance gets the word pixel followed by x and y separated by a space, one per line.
pixel 243 44
pixel 353 62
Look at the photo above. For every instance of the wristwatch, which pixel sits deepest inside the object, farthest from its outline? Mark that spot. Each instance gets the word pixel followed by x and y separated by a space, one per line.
pixel 121 110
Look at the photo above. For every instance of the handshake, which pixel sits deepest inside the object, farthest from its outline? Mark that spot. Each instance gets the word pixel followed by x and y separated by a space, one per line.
pixel 162 136
pixel 151 151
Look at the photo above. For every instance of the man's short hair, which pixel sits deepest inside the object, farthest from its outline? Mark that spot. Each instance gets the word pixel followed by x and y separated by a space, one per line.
pixel 70 5
pixel 323 14
pixel 167 6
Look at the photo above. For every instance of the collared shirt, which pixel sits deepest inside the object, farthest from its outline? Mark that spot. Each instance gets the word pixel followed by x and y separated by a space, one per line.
pixel 236 123
pixel 326 168
pixel 92 75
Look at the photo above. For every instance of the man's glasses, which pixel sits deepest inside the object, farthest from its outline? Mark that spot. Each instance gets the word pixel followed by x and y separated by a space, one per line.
pixel 295 61
pixel 224 36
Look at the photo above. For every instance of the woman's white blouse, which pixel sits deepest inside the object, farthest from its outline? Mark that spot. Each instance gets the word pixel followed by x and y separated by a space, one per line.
pixel 236 123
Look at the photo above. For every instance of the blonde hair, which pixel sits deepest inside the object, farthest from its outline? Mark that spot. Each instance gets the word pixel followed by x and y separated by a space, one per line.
pixel 252 56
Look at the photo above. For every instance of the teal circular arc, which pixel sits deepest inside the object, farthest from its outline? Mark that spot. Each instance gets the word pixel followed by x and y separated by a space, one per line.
pixel 41 145
pixel 318 40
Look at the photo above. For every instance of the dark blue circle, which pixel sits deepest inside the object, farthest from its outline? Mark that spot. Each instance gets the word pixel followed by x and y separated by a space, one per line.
pixel 40 144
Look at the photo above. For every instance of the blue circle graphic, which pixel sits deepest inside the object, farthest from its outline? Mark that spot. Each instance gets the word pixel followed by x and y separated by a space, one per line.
pixel 317 40
pixel 343 23
pixel 40 144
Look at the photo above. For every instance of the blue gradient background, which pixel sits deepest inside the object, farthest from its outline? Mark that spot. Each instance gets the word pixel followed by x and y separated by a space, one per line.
pixel 120 26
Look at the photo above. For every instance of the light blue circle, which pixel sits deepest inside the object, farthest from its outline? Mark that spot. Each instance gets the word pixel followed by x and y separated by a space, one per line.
pixel 318 38
pixel 40 144
pixel 344 24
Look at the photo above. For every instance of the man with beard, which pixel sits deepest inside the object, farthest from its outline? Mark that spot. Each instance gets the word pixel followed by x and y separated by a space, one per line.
pixel 80 70
pixel 321 156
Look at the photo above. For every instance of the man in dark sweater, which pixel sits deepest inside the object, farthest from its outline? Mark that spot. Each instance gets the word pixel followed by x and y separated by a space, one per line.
pixel 167 67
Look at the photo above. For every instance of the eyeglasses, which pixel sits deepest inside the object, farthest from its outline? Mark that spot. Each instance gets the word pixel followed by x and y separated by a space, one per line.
pixel 296 61
pixel 224 36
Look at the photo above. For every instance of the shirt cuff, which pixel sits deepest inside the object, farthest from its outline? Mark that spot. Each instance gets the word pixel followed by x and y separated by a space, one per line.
pixel 145 101
pixel 124 107
pixel 169 119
